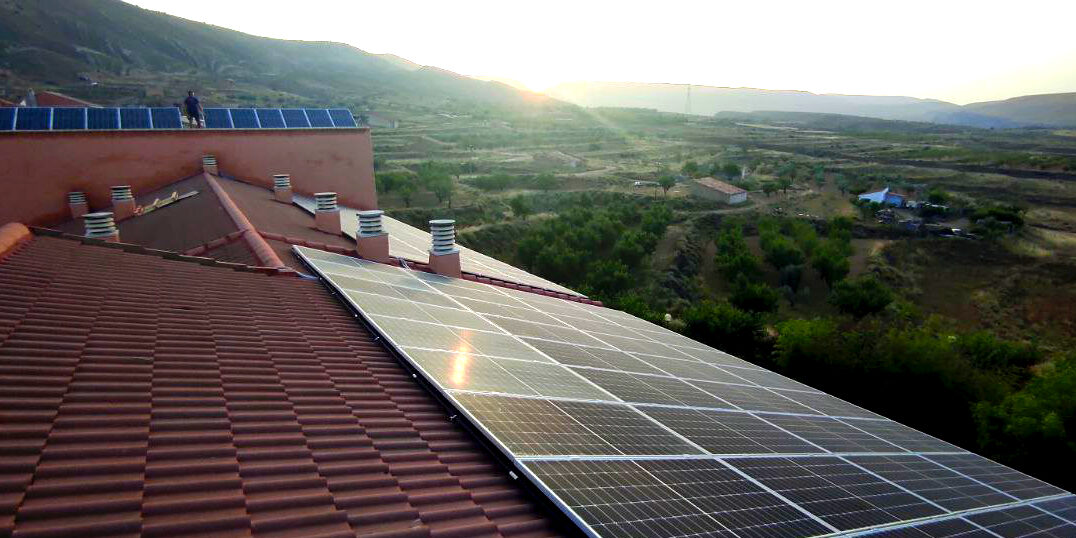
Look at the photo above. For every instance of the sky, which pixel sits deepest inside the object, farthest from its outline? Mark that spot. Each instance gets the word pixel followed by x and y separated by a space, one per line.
pixel 951 50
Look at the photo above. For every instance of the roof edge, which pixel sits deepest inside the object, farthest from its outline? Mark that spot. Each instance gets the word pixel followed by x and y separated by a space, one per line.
pixel 12 236
pixel 262 251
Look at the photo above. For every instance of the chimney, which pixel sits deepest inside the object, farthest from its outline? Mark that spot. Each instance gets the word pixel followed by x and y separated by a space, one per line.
pixel 209 164
pixel 77 202
pixel 123 202
pixel 101 226
pixel 372 242
pixel 282 188
pixel 327 215
pixel 444 256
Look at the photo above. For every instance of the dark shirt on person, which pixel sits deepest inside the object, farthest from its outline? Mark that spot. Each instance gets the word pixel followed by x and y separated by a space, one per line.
pixel 192 106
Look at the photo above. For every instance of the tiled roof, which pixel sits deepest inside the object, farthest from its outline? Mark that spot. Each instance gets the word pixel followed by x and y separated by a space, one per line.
pixel 719 185
pixel 50 98
pixel 148 396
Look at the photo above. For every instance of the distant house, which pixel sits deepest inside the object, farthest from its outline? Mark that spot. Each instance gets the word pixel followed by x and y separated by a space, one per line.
pixel 884 196
pixel 715 189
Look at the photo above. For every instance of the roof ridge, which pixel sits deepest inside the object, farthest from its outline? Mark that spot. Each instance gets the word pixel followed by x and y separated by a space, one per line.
pixel 262 251
pixel 166 254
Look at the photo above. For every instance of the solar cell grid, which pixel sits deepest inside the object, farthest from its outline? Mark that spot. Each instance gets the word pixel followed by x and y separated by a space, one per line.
pixel 244 118
pixel 950 528
pixel 628 387
pixel 996 475
pixel 619 499
pixel 619 360
pixel 690 369
pixel 134 118
pixel 532 426
pixel 713 356
pixel 735 502
pixel 626 429
pixel 683 392
pixel 931 481
pixel 294 118
pixel 33 119
pixel 7 118
pixel 467 371
pixel 166 118
pixel 418 334
pixel 902 436
pixel 725 432
pixel 319 117
pixel 830 434
pixel 217 118
pixel 498 345
pixel 553 380
pixel 270 118
pixel 456 318
pixel 827 405
pixel 1065 507
pixel 69 118
pixel 1023 522
pixel 767 379
pixel 341 117
pixel 837 492
pixel 751 398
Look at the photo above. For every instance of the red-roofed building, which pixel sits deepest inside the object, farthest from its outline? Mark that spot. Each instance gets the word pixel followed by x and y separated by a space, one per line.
pixel 715 189
pixel 188 380
pixel 57 99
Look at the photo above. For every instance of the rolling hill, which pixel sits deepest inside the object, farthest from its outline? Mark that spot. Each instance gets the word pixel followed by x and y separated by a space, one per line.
pixel 141 56
pixel 1057 109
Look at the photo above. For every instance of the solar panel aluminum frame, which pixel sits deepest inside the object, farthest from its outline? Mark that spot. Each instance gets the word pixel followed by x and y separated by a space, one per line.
pixel 493 446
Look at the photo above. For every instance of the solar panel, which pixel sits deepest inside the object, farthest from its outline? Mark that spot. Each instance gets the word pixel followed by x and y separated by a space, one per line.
pixel 634 431
pixel 134 118
pixel 217 118
pixel 342 117
pixel 7 118
pixel 270 118
pixel 295 118
pixel 319 117
pixel 33 119
pixel 244 118
pixel 166 118
pixel 68 118
pixel 1023 522
pixel 102 118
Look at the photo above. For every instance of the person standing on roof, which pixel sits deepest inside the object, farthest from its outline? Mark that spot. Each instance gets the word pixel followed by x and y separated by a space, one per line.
pixel 194 109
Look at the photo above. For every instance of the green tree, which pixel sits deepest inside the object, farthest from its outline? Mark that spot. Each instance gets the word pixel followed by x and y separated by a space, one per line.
pixel 545 182
pixel 443 187
pixel 861 296
pixel 667 182
pixel 729 170
pixel 754 296
pixel 386 182
pixel 790 276
pixel 831 262
pixel 656 219
pixel 769 187
pixel 691 168
pixel 407 190
pixel 784 183
pixel 521 208
pixel 780 251
pixel 630 249
pixel 724 326
pixel 609 277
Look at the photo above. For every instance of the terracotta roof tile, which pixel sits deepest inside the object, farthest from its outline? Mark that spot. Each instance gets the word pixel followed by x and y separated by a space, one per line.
pixel 148 396
pixel 719 185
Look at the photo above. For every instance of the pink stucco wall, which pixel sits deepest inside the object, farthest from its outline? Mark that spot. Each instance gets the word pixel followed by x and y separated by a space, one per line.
pixel 38 169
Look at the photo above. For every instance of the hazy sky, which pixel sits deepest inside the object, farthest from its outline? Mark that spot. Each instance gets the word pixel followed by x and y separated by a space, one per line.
pixel 956 51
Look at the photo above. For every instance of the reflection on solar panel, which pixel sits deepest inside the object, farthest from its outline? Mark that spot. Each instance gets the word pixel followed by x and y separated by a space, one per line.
pixel 134 118
pixel 412 244
pixel 342 117
pixel 634 430
pixel 166 118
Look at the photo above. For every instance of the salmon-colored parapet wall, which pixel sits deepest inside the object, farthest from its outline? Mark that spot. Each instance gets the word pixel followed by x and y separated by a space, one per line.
pixel 40 168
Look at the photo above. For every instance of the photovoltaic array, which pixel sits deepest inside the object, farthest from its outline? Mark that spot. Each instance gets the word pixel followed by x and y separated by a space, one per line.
pixel 634 430
pixel 85 118
pixel 413 244
pixel 278 118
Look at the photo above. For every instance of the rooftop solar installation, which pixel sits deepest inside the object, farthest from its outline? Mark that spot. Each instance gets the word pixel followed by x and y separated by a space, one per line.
pixel 278 118
pixel 135 118
pixel 218 118
pixel 102 118
pixel 68 118
pixel 413 244
pixel 244 118
pixel 584 402
pixel 7 118
pixel 295 118
pixel 166 118
pixel 33 119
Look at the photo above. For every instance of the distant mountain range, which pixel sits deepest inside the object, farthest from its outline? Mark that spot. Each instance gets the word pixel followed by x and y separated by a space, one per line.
pixel 1032 110
pixel 140 56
